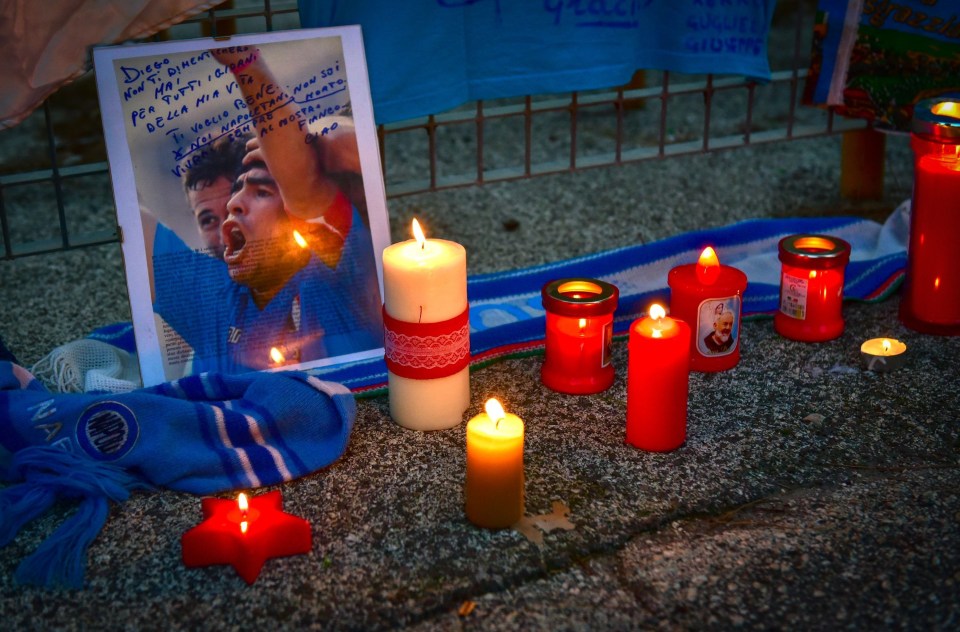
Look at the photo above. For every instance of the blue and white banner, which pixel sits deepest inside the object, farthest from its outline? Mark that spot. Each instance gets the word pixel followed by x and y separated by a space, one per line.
pixel 427 56
pixel 506 315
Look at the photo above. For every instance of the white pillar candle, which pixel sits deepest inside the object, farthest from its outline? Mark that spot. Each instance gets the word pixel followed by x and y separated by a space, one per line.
pixel 425 281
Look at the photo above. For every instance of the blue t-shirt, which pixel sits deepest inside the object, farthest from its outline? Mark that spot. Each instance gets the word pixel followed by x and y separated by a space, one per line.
pixel 319 313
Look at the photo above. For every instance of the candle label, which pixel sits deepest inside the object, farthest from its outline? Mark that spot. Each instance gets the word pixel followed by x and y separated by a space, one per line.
pixel 718 326
pixel 424 351
pixel 793 296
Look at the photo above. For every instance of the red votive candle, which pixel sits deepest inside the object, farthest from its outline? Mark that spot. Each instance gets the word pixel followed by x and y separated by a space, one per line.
pixel 658 375
pixel 811 287
pixel 709 295
pixel 930 302
pixel 579 335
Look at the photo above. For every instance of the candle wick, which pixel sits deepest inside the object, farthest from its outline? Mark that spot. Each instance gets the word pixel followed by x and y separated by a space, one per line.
pixel 420 318
pixel 497 423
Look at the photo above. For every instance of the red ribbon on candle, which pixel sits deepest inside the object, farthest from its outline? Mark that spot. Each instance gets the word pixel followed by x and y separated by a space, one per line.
pixel 426 351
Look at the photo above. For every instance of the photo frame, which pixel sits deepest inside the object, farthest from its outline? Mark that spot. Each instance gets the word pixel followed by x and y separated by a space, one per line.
pixel 250 200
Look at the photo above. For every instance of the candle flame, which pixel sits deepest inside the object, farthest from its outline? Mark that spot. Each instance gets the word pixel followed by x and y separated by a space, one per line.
pixel 708 258
pixel 708 266
pixel 297 237
pixel 947 108
pixel 243 506
pixel 583 324
pixel 657 313
pixel 886 345
pixel 276 355
pixel 494 410
pixel 418 233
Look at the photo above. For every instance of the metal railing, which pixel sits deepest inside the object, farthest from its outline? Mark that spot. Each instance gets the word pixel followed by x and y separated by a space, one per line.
pixel 659 115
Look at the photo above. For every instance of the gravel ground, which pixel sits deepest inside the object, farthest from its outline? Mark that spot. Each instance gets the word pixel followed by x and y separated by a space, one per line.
pixel 809 495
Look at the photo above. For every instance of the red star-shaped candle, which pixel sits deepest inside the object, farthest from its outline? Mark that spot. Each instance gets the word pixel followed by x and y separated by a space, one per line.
pixel 245 535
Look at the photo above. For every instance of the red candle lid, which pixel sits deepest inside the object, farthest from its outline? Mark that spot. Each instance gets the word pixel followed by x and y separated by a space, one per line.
pixel 937 119
pixel 580 297
pixel 818 252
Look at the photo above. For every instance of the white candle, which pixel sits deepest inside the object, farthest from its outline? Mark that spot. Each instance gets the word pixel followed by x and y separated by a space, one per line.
pixel 425 281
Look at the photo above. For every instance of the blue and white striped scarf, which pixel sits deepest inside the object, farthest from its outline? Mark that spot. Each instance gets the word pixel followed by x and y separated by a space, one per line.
pixel 506 315
pixel 203 434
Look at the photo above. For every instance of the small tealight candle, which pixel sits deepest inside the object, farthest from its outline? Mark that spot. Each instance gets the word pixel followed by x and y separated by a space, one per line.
pixel 245 534
pixel 658 375
pixel 708 295
pixel 579 333
pixel 882 355
pixel 811 287
pixel 494 481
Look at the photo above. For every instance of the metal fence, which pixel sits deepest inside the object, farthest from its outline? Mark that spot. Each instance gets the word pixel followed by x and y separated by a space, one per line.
pixel 658 115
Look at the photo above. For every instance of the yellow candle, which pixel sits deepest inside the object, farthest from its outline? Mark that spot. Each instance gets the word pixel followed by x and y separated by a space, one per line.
pixel 425 281
pixel 882 355
pixel 494 487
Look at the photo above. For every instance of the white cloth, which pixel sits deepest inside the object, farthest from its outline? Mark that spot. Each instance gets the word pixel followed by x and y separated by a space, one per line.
pixel 45 45
pixel 88 366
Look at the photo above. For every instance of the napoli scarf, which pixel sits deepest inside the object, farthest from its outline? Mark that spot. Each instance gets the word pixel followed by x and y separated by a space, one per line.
pixel 202 434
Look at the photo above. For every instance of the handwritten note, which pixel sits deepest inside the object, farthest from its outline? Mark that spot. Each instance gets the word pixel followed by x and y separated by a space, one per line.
pixel 190 101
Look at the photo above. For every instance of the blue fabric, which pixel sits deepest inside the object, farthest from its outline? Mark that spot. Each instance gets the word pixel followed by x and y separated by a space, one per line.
pixel 48 474
pixel 203 434
pixel 427 56
pixel 229 333
pixel 506 309
pixel 120 335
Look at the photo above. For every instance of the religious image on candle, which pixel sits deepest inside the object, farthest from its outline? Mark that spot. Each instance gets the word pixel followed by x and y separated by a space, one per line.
pixel 708 295
pixel 718 326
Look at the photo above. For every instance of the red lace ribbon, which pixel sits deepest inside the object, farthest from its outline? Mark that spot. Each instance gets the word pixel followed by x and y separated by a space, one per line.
pixel 425 351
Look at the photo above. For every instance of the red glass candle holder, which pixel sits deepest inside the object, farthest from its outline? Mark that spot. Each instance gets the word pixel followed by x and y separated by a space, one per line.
pixel 708 296
pixel 930 302
pixel 811 287
pixel 579 335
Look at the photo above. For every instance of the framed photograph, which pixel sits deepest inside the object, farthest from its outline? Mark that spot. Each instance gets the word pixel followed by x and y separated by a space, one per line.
pixel 250 197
